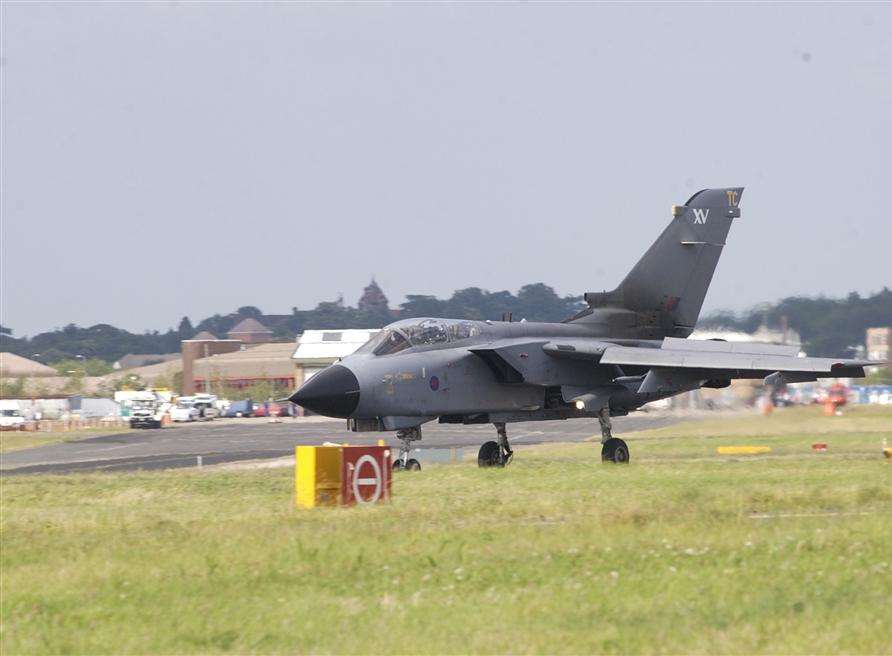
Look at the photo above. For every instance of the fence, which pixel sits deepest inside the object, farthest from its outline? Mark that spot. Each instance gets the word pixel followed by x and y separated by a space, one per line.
pixel 65 425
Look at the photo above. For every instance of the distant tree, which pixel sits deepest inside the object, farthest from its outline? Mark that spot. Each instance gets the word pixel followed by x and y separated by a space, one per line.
pixel 883 376
pixel 828 327
pixel 333 314
pixel 471 303
pixel 129 382
pixel 372 299
pixel 185 329
pixel 539 302
pixel 373 310
pixel 11 388
pixel 88 367
pixel 74 384
pixel 218 325
pixel 418 305
pixel 249 312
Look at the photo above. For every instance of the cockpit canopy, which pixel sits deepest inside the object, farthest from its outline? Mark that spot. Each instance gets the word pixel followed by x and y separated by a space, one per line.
pixel 419 332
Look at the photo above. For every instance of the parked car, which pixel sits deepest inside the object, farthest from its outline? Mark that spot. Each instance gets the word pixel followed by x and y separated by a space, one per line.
pixel 184 410
pixel 261 410
pixel 240 409
pixel 279 410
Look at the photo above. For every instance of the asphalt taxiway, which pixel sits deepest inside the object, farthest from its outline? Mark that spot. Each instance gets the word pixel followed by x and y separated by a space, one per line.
pixel 252 439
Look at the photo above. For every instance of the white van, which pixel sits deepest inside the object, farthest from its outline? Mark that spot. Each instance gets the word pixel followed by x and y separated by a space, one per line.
pixel 206 405
pixel 10 415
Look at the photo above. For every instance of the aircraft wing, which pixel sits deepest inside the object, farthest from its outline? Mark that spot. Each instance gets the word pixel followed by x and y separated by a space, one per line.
pixel 725 359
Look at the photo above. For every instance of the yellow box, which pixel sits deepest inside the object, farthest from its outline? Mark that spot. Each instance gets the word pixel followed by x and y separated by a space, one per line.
pixel 317 476
pixel 743 450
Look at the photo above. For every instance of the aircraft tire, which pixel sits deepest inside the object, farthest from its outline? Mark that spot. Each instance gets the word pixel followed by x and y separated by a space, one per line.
pixel 397 465
pixel 615 450
pixel 413 465
pixel 489 455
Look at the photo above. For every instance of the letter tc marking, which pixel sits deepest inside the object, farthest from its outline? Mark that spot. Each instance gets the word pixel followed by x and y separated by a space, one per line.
pixel 732 197
pixel 700 215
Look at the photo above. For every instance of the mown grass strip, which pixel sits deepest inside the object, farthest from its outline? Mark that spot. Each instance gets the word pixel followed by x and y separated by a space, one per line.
pixel 556 554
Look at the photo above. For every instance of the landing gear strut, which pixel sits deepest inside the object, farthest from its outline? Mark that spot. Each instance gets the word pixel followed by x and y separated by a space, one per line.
pixel 406 436
pixel 496 454
pixel 613 449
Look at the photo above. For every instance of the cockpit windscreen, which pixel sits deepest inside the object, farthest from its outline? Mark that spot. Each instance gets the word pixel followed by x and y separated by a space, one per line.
pixel 419 332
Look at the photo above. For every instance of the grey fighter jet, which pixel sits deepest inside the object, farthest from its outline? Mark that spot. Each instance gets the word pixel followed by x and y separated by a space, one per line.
pixel 628 348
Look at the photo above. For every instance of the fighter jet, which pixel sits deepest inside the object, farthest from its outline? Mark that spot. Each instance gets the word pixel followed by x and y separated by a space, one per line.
pixel 628 348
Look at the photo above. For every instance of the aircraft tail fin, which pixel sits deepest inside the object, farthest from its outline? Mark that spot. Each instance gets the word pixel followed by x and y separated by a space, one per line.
pixel 667 286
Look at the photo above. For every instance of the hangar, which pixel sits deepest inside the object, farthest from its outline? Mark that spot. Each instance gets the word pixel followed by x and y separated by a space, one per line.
pixel 316 349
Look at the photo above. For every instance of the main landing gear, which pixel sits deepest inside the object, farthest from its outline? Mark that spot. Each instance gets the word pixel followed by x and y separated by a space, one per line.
pixel 406 436
pixel 613 449
pixel 496 454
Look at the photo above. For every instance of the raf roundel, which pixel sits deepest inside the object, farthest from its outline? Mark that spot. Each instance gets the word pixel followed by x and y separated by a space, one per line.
pixel 435 383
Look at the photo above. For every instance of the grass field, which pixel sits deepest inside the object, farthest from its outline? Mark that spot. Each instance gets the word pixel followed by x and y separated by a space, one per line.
pixel 15 440
pixel 680 552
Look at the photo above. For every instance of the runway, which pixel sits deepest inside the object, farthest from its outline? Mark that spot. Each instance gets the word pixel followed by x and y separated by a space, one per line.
pixel 253 439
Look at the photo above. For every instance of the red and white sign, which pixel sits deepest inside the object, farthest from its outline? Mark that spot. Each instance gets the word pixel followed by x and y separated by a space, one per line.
pixel 365 477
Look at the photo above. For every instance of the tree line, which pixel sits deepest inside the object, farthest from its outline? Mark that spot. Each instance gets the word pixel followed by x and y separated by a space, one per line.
pixel 828 326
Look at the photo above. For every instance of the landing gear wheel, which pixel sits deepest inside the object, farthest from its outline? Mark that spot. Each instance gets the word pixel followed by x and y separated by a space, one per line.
pixel 406 436
pixel 615 450
pixel 490 455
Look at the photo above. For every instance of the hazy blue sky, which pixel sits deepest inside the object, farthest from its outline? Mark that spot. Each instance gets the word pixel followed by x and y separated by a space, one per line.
pixel 173 158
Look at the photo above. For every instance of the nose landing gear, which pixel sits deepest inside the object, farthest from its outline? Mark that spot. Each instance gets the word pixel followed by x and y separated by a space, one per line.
pixel 613 449
pixel 406 437
pixel 496 454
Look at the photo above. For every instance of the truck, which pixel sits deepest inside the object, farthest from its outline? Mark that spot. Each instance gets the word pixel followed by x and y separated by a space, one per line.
pixel 10 415
pixel 146 410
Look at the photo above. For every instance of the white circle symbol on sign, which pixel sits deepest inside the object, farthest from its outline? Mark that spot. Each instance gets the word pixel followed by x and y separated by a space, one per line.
pixel 376 481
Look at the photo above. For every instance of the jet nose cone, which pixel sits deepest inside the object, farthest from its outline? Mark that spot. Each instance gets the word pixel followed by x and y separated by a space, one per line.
pixel 333 392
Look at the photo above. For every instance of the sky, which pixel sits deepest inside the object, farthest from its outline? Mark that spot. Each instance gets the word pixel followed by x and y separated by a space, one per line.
pixel 171 158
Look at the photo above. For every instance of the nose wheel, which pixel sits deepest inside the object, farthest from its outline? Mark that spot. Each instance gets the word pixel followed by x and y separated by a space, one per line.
pixel 403 461
pixel 496 454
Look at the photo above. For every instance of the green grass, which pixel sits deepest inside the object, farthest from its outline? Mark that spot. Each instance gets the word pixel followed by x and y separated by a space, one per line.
pixel 15 440
pixel 555 554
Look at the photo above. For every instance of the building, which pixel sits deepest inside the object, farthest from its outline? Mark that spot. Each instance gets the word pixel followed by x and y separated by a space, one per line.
pixel 250 331
pixel 879 342
pixel 763 335
pixel 196 349
pixel 316 349
pixel 238 369
pixel 142 359
pixel 15 366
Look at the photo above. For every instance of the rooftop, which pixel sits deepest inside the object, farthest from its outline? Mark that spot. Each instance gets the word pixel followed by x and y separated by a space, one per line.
pixel 15 366
pixel 316 345
pixel 264 360
pixel 249 325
